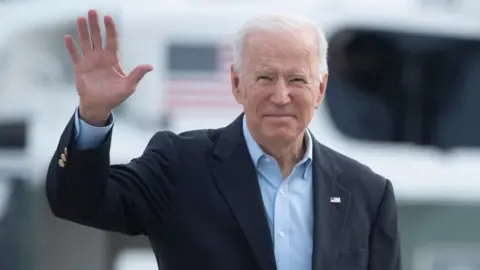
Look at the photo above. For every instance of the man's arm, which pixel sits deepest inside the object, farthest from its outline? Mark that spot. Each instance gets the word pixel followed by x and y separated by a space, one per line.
pixel 123 198
pixel 385 238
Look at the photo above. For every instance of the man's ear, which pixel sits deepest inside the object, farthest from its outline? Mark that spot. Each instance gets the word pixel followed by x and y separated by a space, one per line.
pixel 322 90
pixel 235 81
pixel 234 77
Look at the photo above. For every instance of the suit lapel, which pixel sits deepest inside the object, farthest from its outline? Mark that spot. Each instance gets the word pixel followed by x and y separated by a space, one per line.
pixel 329 217
pixel 236 177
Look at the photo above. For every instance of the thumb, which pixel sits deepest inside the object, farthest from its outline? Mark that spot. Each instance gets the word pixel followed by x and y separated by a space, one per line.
pixel 138 73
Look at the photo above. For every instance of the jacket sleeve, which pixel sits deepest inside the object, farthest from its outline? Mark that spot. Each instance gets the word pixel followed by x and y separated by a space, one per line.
pixel 125 198
pixel 385 253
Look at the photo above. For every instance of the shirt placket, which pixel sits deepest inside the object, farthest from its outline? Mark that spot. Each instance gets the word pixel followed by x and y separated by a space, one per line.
pixel 282 226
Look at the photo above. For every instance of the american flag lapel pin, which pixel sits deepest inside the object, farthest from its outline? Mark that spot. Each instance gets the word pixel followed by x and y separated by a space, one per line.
pixel 335 200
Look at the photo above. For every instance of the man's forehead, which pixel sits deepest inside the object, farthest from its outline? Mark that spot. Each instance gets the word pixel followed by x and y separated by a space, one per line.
pixel 280 38
pixel 265 48
pixel 275 60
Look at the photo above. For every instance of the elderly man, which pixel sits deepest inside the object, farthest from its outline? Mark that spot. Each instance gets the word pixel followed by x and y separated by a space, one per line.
pixel 260 193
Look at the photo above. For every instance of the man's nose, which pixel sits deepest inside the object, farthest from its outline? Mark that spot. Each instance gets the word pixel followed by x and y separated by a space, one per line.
pixel 281 95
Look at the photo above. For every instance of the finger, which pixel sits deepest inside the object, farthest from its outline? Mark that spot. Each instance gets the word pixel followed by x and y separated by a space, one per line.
pixel 72 49
pixel 83 35
pixel 137 74
pixel 112 34
pixel 95 33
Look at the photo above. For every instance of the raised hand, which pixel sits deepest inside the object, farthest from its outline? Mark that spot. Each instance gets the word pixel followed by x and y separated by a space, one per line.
pixel 101 82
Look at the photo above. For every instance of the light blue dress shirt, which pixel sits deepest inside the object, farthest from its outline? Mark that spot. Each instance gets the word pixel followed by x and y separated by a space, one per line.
pixel 288 203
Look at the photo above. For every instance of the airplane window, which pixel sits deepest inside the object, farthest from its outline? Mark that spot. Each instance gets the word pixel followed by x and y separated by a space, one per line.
pixel 192 58
pixel 405 88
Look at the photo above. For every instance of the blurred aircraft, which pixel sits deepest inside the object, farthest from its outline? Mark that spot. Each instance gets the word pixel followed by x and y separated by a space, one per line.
pixel 402 95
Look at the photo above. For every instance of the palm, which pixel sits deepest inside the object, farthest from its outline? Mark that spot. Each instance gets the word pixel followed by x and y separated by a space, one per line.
pixel 101 82
pixel 98 80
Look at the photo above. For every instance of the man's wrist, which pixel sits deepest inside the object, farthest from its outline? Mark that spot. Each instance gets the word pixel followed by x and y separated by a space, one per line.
pixel 97 119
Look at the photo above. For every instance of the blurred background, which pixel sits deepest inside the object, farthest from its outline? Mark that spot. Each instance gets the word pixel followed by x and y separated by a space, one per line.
pixel 403 97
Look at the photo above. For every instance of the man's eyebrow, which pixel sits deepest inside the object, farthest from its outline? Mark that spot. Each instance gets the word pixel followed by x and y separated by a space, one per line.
pixel 298 72
pixel 294 72
pixel 264 70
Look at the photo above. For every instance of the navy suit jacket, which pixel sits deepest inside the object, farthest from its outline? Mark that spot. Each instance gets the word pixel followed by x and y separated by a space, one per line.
pixel 197 198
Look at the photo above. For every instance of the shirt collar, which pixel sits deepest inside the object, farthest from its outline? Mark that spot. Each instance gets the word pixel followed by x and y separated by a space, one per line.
pixel 256 152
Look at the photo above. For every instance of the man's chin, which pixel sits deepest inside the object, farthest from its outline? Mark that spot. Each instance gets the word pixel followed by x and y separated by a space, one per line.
pixel 279 135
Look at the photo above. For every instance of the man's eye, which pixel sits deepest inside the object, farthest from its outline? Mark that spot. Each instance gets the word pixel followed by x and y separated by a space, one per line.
pixel 260 78
pixel 298 80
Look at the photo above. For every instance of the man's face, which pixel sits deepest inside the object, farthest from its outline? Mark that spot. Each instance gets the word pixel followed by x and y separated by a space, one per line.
pixel 279 84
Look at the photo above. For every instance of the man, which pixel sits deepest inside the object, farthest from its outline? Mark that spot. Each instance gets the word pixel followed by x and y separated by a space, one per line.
pixel 260 193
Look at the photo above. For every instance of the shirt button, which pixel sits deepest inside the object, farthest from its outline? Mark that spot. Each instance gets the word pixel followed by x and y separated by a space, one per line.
pixel 281 233
pixel 281 191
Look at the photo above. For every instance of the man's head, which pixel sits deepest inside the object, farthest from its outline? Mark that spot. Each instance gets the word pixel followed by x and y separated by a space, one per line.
pixel 279 75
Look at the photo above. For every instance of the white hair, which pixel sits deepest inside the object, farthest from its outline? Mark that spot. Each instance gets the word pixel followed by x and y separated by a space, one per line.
pixel 275 23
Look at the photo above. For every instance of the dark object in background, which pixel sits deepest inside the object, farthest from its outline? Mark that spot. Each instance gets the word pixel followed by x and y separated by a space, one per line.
pixel 13 135
pixel 375 64
pixel 365 77
pixel 405 87
pixel 15 220
pixel 16 243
